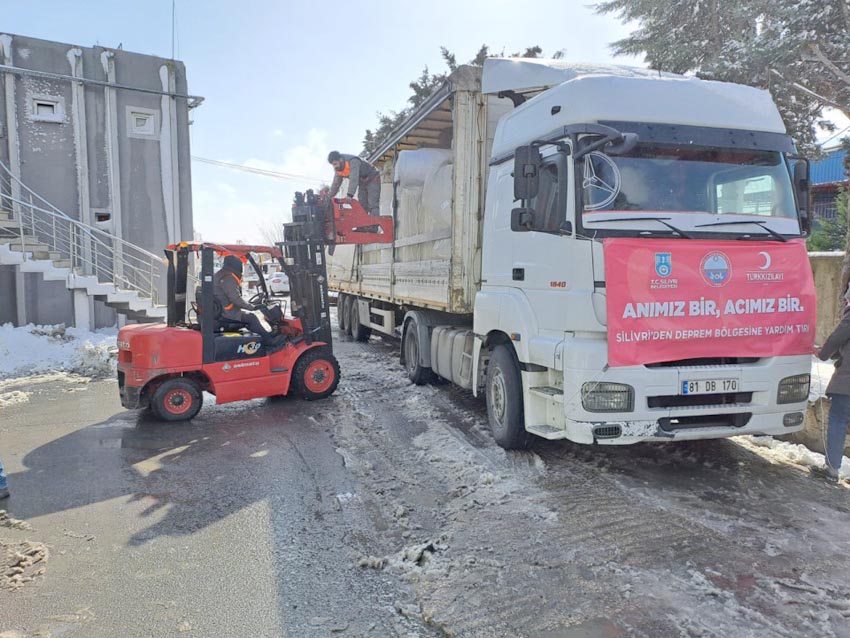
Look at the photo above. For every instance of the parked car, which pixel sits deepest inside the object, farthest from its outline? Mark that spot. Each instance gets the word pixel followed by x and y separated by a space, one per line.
pixel 278 283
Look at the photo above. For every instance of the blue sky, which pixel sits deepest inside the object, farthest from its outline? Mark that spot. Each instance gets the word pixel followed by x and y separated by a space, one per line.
pixel 285 82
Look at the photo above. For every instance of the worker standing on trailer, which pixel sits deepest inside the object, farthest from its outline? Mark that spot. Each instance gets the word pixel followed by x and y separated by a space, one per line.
pixel 227 289
pixel 363 179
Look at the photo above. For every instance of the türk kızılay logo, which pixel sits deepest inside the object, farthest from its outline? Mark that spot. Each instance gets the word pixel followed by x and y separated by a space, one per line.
pixel 716 269
pixel 663 264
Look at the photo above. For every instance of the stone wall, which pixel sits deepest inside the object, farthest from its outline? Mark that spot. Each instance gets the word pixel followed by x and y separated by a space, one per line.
pixel 826 268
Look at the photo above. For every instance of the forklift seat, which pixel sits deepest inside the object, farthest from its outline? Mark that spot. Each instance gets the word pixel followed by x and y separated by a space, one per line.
pixel 221 325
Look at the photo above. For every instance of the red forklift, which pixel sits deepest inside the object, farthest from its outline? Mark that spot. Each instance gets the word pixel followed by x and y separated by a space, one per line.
pixel 167 368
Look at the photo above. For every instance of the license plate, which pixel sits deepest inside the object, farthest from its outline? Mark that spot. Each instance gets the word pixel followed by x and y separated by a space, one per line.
pixel 709 386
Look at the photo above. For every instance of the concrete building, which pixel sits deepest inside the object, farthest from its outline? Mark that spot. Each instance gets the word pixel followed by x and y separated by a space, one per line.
pixel 102 135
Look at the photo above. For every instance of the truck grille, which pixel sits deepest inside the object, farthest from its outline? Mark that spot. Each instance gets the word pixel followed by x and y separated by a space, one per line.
pixel 705 361
pixel 671 424
pixel 684 400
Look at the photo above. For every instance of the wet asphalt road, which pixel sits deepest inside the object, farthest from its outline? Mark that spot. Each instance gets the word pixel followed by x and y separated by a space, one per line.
pixel 231 525
pixel 387 510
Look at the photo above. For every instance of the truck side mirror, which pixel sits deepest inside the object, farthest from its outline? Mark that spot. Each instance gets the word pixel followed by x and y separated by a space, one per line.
pixel 801 189
pixel 522 220
pixel 527 162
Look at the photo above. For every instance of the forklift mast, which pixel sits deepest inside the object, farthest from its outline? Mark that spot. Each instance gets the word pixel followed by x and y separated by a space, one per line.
pixel 319 221
pixel 303 261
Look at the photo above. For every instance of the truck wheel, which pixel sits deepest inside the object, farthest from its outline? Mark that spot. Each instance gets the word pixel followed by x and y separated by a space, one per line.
pixel 358 330
pixel 316 374
pixel 340 315
pixel 345 321
pixel 177 399
pixel 504 400
pixel 417 373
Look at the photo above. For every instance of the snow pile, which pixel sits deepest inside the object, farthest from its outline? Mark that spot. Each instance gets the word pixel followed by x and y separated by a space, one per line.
pixel 38 349
pixel 13 397
pixel 788 453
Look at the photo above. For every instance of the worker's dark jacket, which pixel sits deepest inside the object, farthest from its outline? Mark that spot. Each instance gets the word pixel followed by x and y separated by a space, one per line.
pixel 837 346
pixel 227 289
pixel 357 170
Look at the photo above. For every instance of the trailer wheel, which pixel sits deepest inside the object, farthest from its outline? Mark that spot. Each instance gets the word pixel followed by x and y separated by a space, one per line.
pixel 177 399
pixel 316 374
pixel 504 400
pixel 416 372
pixel 345 312
pixel 358 330
pixel 340 312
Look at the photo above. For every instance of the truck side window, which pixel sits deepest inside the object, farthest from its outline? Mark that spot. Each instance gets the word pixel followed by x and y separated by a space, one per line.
pixel 548 214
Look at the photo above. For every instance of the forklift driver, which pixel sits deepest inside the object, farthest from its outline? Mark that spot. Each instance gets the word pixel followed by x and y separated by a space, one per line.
pixel 227 289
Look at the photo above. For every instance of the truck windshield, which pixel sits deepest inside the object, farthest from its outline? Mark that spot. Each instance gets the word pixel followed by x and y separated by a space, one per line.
pixel 700 181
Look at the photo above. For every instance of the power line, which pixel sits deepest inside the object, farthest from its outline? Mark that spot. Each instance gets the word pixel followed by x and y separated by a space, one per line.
pixel 260 171
pixel 829 139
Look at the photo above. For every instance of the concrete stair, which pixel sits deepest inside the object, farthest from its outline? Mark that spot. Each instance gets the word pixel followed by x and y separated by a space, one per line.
pixel 29 255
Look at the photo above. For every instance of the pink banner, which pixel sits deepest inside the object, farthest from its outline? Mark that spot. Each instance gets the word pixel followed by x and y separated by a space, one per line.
pixel 684 299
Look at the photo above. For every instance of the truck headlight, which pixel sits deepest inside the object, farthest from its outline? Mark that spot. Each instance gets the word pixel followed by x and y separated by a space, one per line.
pixel 793 389
pixel 607 397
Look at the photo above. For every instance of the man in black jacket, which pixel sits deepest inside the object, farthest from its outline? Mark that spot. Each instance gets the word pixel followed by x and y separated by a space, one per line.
pixel 363 179
pixel 227 289
pixel 837 346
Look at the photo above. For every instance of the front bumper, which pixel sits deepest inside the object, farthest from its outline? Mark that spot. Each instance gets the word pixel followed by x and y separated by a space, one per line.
pixel 628 432
pixel 661 413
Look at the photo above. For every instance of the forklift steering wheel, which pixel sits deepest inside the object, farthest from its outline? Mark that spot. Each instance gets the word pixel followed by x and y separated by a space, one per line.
pixel 258 299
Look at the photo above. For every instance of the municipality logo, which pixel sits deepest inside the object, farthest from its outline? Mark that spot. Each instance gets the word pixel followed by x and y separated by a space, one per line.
pixel 663 264
pixel 716 269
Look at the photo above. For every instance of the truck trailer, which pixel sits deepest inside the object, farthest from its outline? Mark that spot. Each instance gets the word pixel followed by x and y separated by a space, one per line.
pixel 608 254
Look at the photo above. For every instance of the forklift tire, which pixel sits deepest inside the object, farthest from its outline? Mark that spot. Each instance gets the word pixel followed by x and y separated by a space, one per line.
pixel 340 315
pixel 345 320
pixel 177 399
pixel 358 330
pixel 316 374
pixel 504 400
pixel 416 372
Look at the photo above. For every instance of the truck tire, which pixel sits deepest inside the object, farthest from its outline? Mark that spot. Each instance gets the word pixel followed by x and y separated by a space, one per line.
pixel 177 399
pixel 504 400
pixel 340 315
pixel 345 311
pixel 316 374
pixel 416 372
pixel 358 331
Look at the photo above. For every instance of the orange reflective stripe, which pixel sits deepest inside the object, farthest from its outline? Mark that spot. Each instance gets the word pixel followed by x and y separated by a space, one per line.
pixel 237 278
pixel 346 170
pixel 228 306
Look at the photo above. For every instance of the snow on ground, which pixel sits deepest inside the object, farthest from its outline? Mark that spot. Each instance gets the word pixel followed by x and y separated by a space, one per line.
pixel 32 349
pixel 782 452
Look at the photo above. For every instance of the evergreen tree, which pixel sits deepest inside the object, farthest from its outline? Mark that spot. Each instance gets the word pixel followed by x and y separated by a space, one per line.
pixel 798 49
pixel 425 85
pixel 831 234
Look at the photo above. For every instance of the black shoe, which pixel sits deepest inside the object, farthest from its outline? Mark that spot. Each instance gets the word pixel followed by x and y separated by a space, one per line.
pixel 4 493
pixel 825 472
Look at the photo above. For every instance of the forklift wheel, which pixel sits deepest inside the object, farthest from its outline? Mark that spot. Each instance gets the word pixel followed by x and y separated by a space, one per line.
pixel 316 374
pixel 177 399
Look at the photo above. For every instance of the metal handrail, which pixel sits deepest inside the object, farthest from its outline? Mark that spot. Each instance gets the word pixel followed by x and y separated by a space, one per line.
pixel 90 250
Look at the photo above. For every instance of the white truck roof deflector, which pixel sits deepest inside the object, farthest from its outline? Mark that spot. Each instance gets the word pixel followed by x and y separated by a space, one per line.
pixel 535 74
